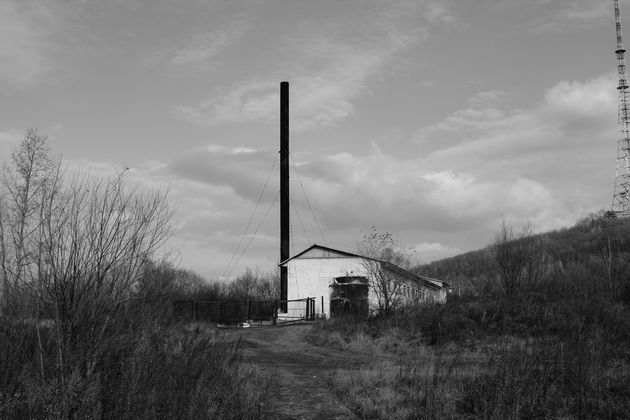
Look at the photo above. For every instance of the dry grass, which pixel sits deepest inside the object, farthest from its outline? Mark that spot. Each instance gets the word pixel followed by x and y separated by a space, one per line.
pixel 156 372
pixel 553 358
pixel 409 388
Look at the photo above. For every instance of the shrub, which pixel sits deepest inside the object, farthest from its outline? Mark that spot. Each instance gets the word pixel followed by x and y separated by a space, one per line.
pixel 151 373
pixel 548 378
pixel 389 390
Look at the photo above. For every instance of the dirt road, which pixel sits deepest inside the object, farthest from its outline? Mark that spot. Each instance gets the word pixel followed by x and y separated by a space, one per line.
pixel 301 374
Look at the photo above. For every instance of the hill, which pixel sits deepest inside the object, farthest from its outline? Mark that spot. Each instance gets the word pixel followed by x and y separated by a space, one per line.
pixel 540 328
pixel 596 244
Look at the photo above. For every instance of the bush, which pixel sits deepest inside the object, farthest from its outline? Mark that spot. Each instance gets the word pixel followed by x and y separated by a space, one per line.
pixel 386 390
pixel 549 378
pixel 153 373
pixel 552 342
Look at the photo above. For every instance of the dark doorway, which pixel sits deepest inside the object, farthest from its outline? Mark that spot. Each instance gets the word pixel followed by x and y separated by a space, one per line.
pixel 349 296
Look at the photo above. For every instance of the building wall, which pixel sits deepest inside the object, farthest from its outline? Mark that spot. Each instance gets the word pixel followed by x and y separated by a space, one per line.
pixel 414 294
pixel 312 277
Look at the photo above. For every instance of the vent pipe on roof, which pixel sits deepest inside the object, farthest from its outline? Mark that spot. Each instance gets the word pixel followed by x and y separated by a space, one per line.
pixel 284 188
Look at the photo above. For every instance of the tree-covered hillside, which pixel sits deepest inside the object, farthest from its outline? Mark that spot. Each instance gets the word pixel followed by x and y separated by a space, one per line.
pixel 539 328
pixel 597 245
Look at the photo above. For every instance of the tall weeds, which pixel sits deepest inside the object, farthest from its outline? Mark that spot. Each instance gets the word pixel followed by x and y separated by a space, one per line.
pixel 549 378
pixel 152 373
pixel 561 350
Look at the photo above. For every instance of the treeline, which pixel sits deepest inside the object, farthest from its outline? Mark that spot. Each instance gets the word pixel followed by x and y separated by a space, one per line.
pixel 566 284
pixel 569 307
pixel 549 314
pixel 597 246
pixel 163 281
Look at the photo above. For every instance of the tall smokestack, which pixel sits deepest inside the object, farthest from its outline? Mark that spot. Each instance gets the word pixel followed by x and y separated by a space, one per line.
pixel 284 188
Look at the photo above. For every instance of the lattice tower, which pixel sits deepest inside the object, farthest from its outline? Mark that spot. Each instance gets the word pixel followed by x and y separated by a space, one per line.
pixel 621 196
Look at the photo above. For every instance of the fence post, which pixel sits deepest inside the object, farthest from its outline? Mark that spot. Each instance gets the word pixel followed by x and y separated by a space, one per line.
pixel 308 308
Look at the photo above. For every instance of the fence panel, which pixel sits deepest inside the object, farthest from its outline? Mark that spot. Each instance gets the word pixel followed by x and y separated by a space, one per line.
pixel 262 310
pixel 233 312
pixel 183 310
pixel 209 311
pixel 298 309
pixel 225 312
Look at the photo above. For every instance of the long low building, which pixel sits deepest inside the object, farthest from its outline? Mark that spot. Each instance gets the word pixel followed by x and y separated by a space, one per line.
pixel 341 282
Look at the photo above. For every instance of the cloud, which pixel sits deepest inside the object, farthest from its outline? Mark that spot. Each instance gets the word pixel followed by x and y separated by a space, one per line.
pixel 438 13
pixel 593 100
pixel 541 165
pixel 560 15
pixel 377 189
pixel 554 154
pixel 315 101
pixel 9 139
pixel 209 217
pixel 568 116
pixel 206 45
pixel 23 44
pixel 447 188
pixel 488 98
pixel 335 59
pixel 545 164
pixel 242 170
pixel 432 251
pixel 248 102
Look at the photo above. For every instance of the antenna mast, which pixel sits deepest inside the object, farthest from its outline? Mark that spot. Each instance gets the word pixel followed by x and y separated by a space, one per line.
pixel 621 196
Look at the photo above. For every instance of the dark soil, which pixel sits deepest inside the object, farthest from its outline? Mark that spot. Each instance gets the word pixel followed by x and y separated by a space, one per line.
pixel 300 374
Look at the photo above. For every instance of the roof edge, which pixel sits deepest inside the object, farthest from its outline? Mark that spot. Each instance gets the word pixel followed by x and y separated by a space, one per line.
pixel 325 248
pixel 430 282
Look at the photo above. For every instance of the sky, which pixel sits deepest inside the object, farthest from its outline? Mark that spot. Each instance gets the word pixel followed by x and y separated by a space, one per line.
pixel 432 120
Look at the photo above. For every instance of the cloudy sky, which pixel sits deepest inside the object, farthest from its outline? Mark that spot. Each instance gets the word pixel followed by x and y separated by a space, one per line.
pixel 430 119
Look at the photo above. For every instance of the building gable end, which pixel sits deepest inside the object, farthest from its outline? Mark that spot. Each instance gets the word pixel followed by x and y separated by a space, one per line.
pixel 317 252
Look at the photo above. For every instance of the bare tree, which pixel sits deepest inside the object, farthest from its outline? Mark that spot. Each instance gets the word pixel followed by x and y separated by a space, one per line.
pixel 76 249
pixel 520 256
pixel 380 249
pixel 162 281
pixel 32 177
pixel 255 285
pixel 244 285
pixel 268 286
pixel 25 183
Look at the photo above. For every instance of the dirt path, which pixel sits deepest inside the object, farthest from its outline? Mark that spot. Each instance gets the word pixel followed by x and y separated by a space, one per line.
pixel 301 374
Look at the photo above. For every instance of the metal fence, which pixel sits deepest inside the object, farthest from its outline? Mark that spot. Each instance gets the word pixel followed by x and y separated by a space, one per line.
pixel 298 309
pixel 224 312
pixel 234 312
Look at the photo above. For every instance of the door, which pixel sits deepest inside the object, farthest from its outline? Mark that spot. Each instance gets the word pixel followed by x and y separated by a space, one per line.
pixel 349 296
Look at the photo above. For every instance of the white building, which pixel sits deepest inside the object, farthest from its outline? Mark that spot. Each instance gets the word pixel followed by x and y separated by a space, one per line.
pixel 340 281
